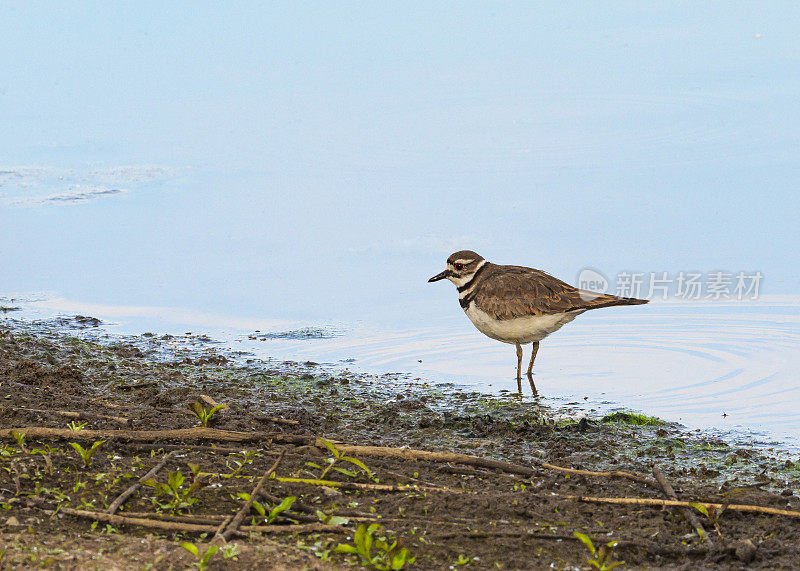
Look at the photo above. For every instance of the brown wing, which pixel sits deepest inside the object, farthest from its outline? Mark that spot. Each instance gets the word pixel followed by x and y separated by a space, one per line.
pixel 515 291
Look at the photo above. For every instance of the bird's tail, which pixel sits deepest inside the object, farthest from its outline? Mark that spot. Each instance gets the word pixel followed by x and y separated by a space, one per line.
pixel 608 300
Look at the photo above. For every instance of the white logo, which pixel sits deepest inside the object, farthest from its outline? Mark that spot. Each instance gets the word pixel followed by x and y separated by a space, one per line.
pixel 591 283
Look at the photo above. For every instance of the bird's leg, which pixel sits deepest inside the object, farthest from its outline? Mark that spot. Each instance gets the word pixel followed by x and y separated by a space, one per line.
pixel 533 357
pixel 519 368
pixel 530 367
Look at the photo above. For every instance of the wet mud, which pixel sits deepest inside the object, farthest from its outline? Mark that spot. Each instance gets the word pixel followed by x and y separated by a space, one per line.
pixel 534 483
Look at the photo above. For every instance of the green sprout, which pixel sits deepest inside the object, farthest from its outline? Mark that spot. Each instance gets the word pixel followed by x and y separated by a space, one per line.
pixel 7 450
pixel 204 414
pixel 337 457
pixel 318 548
pixel 713 515
pixel 273 514
pixel 462 560
pixel 202 560
pixel 602 556
pixel 329 519
pixel 76 425
pixel 230 550
pixel 179 496
pixel 239 464
pixel 86 453
pixel 19 438
pixel 387 556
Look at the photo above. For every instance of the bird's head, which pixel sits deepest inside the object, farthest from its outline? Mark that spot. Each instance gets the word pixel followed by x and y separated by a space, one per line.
pixel 461 266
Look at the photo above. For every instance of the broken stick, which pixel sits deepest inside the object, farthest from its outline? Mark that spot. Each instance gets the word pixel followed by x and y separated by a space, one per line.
pixel 233 526
pixel 186 434
pixel 135 486
pixel 680 504
pixel 669 491
pixel 427 456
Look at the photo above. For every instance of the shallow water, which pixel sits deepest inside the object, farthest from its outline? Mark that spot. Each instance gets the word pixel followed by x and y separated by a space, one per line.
pixel 725 366
pixel 312 168
pixel 731 367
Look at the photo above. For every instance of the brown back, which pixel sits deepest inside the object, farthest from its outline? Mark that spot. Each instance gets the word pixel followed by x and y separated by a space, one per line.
pixel 506 292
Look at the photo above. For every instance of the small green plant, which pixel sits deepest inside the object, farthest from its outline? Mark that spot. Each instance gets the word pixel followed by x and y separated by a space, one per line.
pixel 204 414
pixel 712 513
pixel 388 556
pixel 603 559
pixel 329 519
pixel 56 493
pixel 6 450
pixel 462 560
pixel 318 548
pixel 87 504
pixel 202 560
pixel 230 550
pixel 19 438
pixel 239 460
pixel 273 514
pixel 77 425
pixel 86 453
pixel 339 457
pixel 180 496
pixel 285 505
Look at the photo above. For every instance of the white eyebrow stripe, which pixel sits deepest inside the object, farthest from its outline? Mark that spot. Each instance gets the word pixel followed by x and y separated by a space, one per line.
pixel 465 261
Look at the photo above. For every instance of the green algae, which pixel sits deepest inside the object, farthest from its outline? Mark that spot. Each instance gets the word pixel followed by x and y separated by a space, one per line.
pixel 633 419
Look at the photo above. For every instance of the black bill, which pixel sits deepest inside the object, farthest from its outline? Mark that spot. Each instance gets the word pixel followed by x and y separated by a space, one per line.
pixel 438 277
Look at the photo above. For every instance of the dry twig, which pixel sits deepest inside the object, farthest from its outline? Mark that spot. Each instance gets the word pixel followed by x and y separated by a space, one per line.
pixel 186 434
pixel 425 455
pixel 669 491
pixel 677 503
pixel 208 519
pixel 248 505
pixel 116 519
pixel 136 485
pixel 372 487
pixel 209 401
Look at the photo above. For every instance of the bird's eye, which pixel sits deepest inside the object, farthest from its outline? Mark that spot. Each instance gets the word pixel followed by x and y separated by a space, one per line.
pixel 459 266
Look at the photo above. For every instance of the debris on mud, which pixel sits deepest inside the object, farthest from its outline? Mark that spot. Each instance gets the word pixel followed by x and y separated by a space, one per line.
pixel 115 452
pixel 295 334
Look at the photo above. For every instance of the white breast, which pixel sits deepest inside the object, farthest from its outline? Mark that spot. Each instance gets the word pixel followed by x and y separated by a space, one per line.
pixel 520 330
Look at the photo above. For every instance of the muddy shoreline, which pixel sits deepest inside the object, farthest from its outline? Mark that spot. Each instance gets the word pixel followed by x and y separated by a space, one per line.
pixel 446 514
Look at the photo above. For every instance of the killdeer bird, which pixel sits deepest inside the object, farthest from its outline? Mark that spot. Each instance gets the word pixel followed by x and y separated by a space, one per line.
pixel 519 305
